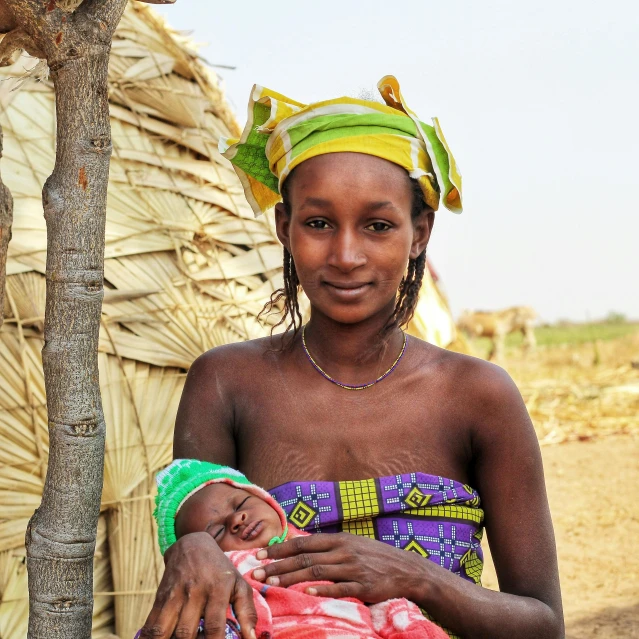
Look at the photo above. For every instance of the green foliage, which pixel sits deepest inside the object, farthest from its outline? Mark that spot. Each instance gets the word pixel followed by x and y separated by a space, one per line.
pixel 581 333
pixel 616 318
pixel 565 333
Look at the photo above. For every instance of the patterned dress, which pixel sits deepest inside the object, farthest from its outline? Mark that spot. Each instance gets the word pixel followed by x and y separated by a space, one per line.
pixel 435 517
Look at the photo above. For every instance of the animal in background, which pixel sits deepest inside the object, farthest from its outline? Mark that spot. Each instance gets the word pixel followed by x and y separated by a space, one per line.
pixel 497 324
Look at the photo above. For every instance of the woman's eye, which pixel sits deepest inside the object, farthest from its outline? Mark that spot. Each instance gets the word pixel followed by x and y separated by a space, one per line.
pixel 318 224
pixel 378 226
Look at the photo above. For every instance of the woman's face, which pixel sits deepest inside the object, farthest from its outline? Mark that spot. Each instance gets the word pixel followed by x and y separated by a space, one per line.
pixel 351 234
pixel 235 518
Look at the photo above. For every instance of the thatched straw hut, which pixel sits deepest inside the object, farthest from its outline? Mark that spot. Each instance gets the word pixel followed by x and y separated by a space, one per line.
pixel 187 268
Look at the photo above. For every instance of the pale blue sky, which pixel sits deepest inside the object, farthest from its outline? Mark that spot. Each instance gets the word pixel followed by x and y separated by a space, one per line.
pixel 539 102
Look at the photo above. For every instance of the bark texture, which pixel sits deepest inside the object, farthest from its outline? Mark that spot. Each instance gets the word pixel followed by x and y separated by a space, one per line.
pixel 6 217
pixel 60 538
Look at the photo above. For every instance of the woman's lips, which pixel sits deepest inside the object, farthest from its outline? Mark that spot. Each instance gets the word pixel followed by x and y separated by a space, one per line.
pixel 347 291
pixel 252 531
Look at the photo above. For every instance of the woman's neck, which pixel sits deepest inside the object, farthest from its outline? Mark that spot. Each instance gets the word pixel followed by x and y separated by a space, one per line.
pixel 352 353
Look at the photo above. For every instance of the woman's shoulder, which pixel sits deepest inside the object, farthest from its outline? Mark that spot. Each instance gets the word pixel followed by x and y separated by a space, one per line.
pixel 228 359
pixel 464 376
pixel 216 384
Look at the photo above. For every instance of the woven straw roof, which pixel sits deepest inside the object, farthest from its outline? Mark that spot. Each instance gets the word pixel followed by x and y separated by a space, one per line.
pixel 187 268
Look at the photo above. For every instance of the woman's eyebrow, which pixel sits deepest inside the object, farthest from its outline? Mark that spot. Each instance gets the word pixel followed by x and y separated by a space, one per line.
pixel 316 201
pixel 375 206
pixel 322 203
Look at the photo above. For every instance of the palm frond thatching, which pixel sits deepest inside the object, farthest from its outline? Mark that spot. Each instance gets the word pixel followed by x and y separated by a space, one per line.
pixel 187 268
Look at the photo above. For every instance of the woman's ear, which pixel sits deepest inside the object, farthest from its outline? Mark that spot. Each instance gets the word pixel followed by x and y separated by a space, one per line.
pixel 283 225
pixel 422 228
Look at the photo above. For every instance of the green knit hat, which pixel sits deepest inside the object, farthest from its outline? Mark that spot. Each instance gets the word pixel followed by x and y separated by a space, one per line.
pixel 183 478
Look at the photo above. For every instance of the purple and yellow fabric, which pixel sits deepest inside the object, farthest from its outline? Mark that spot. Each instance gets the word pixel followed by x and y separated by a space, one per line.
pixel 437 518
pixel 281 133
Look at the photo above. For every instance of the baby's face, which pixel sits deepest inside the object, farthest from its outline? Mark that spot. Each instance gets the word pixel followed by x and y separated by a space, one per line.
pixel 235 518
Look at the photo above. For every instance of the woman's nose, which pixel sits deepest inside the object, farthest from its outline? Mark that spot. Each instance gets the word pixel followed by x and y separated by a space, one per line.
pixel 237 520
pixel 346 252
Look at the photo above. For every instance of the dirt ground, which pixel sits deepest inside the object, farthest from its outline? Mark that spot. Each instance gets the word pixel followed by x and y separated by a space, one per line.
pixel 596 522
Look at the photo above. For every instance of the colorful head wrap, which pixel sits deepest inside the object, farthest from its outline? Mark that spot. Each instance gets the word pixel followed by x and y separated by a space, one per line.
pixel 281 133
pixel 183 478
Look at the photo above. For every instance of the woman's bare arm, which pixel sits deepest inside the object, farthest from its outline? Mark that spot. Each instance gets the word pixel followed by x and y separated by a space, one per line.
pixel 204 423
pixel 199 581
pixel 508 474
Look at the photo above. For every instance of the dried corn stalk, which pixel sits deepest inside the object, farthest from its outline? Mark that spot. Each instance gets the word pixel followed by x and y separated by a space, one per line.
pixel 6 217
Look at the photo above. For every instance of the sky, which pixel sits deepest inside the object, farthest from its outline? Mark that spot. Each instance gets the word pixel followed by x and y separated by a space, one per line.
pixel 539 102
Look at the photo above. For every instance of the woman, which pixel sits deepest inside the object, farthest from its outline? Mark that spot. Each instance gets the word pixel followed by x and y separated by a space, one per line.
pixel 350 398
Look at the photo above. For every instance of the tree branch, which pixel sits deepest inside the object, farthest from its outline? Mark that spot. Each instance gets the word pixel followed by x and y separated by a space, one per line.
pixel 43 27
pixel 106 13
pixel 13 43
pixel 24 12
pixel 6 218
pixel 7 22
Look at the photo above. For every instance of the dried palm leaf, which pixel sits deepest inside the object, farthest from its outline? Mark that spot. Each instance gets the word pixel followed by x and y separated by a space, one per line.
pixel 187 268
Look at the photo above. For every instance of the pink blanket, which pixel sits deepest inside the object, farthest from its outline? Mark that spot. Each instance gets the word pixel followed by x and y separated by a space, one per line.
pixel 290 613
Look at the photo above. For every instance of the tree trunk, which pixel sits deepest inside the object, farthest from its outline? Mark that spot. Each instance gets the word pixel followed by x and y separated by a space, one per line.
pixel 61 535
pixel 60 538
pixel 6 217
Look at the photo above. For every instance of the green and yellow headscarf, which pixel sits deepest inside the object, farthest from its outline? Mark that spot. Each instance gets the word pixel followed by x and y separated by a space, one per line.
pixel 281 133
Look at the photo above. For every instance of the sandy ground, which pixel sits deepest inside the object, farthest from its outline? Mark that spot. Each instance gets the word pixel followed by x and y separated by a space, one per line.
pixel 592 489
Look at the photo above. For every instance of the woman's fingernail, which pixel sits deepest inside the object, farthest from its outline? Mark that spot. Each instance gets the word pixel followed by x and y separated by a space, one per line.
pixel 259 574
pixel 311 591
pixel 262 554
pixel 252 633
pixel 273 581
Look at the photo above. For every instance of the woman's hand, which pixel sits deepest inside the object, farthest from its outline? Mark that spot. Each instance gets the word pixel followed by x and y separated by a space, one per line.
pixel 363 568
pixel 199 582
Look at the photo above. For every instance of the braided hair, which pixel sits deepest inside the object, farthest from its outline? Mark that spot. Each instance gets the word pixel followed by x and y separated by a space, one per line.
pixel 407 294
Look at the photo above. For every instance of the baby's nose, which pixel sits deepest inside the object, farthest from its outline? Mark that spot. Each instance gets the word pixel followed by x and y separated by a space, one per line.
pixel 238 519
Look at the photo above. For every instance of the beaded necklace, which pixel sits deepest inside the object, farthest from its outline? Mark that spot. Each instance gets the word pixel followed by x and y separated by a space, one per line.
pixel 324 374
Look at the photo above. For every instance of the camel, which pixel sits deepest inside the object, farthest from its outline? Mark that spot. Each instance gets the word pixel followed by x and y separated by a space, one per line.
pixel 497 324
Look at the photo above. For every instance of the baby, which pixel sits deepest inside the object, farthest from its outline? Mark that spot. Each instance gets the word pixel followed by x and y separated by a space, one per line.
pixel 195 496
